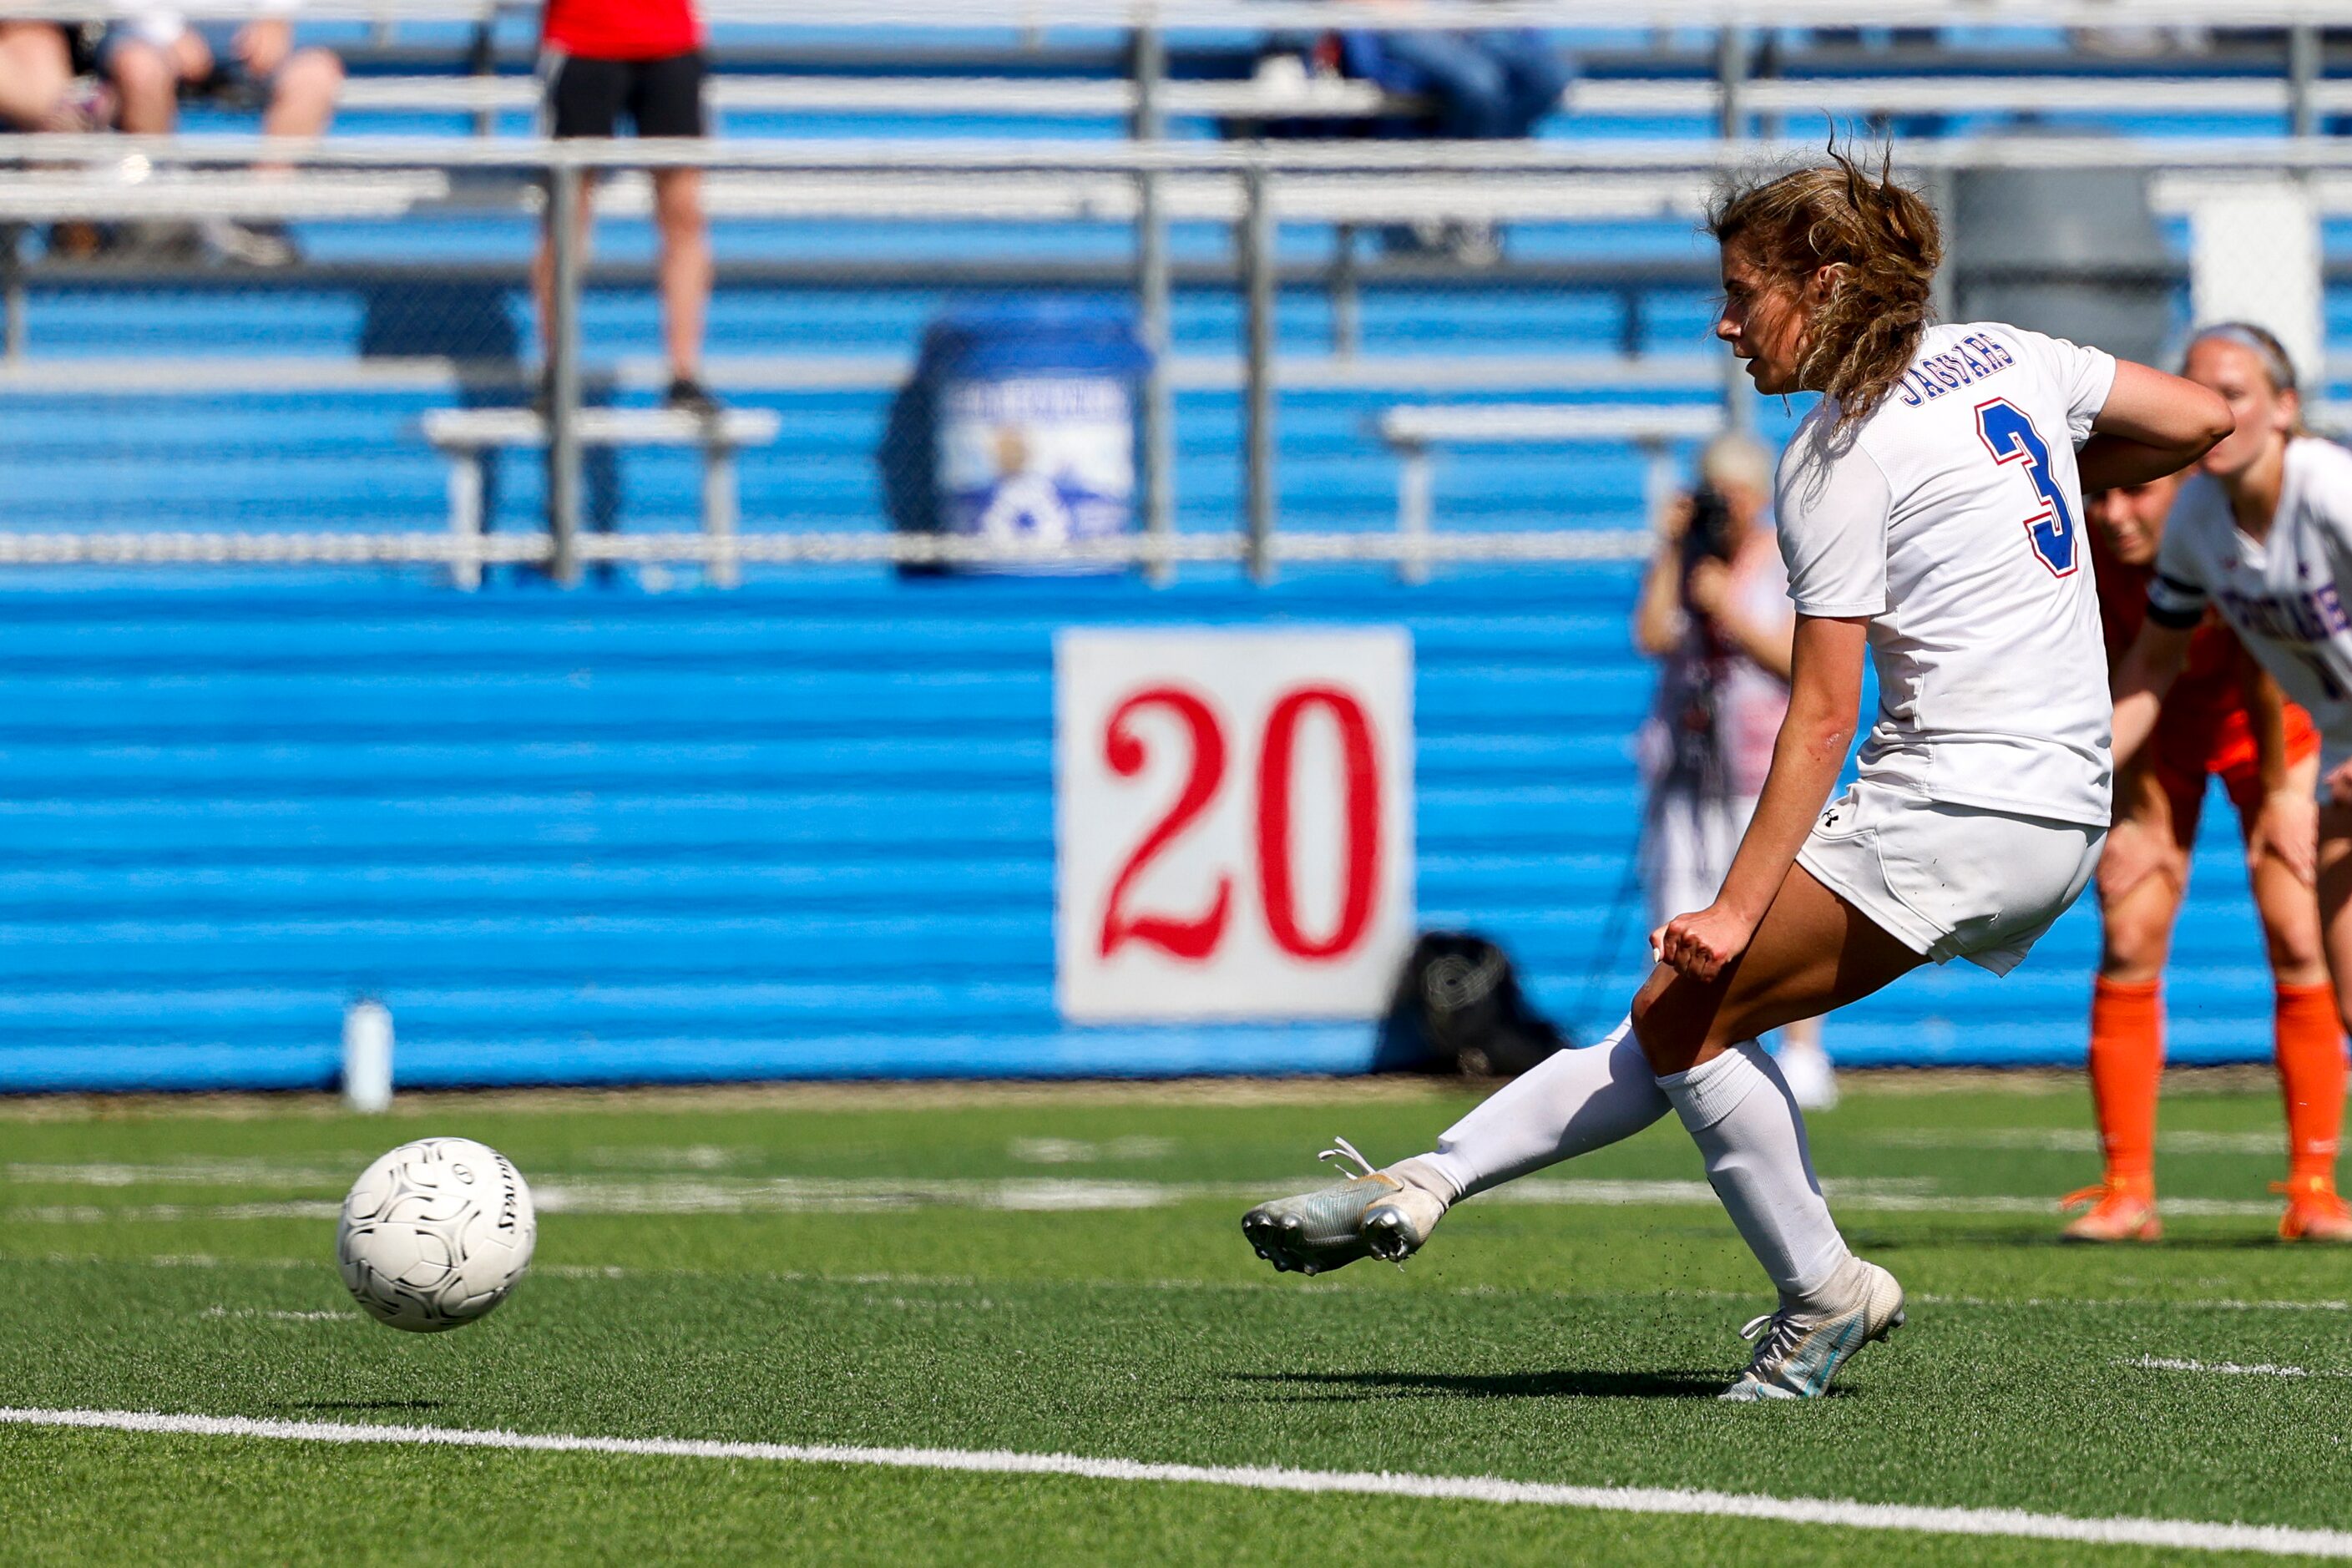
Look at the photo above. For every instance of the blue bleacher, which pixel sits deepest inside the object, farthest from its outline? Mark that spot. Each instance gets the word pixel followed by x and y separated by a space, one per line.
pixel 804 828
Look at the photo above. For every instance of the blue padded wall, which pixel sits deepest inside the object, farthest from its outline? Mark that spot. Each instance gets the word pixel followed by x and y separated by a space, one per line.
pixel 804 828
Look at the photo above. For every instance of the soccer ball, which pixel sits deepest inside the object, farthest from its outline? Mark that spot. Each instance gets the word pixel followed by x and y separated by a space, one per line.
pixel 435 1234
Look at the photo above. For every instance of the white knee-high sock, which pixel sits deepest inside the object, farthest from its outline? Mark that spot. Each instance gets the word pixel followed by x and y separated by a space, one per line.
pixel 1745 1121
pixel 1569 1104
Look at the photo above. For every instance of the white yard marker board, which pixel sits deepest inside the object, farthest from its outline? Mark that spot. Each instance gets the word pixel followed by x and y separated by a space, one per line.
pixel 1233 823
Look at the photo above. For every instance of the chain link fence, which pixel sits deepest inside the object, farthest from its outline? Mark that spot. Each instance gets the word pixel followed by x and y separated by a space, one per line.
pixel 1387 352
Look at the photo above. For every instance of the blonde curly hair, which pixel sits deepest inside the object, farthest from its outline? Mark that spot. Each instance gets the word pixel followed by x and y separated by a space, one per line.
pixel 1884 240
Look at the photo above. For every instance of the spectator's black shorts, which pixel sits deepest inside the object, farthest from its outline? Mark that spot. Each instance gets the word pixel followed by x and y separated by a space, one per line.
pixel 661 97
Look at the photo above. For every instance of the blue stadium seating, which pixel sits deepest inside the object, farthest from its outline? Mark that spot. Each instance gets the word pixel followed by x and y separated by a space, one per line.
pixel 804 828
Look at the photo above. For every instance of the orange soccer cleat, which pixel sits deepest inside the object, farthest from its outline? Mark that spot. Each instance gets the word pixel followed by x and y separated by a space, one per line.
pixel 2314 1211
pixel 2119 1211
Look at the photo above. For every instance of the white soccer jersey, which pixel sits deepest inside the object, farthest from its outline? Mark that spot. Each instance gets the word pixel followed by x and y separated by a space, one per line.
pixel 2279 596
pixel 1951 517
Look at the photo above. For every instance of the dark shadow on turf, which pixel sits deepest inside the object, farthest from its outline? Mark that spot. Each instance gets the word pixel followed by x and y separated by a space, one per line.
pixel 1332 1387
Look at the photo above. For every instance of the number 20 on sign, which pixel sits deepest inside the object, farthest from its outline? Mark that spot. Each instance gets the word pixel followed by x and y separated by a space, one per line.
pixel 1233 823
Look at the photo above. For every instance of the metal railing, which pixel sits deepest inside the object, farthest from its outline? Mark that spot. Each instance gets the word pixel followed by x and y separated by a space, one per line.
pixel 1144 187
pixel 1244 15
pixel 1252 188
pixel 1149 185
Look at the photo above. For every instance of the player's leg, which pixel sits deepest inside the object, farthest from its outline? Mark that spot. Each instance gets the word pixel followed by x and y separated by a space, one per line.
pixel 2309 1034
pixel 2314 1210
pixel 1810 953
pixel 1571 1102
pixel 1723 821
pixel 1885 879
pixel 1581 1101
pixel 1814 951
pixel 2142 880
pixel 1576 1101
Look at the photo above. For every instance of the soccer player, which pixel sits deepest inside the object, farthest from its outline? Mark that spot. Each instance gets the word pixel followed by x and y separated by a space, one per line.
pixel 1930 514
pixel 2263 532
pixel 2205 731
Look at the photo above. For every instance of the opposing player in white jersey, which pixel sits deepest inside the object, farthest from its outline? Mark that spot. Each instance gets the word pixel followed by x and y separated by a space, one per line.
pixel 1930 512
pixel 2263 533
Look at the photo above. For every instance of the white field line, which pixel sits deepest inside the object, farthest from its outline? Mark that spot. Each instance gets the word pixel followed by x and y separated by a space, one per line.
pixel 2178 1534
pixel 820 1195
pixel 192 1172
pixel 1082 1151
pixel 2228 1368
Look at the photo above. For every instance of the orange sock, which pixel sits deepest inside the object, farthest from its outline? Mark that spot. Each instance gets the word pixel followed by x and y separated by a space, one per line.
pixel 2311 1078
pixel 2126 1064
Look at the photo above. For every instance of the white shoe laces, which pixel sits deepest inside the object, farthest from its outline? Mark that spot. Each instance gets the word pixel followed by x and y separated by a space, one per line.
pixel 1777 1331
pixel 1346 1151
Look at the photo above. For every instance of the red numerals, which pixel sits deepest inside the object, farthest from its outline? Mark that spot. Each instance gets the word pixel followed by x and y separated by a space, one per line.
pixel 1276 760
pixel 1124 753
pixel 1198 938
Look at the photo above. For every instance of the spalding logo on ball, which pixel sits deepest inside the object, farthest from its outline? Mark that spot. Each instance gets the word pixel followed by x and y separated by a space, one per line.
pixel 435 1234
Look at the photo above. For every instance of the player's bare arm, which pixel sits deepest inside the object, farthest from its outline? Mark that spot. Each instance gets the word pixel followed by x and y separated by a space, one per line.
pixel 1824 696
pixel 2153 425
pixel 2147 672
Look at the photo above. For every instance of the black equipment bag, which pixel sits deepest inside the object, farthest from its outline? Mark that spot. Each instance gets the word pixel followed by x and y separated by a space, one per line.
pixel 1459 1009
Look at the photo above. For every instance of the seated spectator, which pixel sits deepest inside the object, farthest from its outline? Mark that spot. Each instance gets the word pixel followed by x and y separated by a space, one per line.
pixel 154 57
pixel 1488 85
pixel 37 78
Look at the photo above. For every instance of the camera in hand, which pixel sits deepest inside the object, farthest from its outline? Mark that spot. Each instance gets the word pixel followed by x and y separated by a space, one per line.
pixel 1710 535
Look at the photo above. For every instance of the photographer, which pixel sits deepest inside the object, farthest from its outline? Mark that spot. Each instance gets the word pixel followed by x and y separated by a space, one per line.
pixel 1713 611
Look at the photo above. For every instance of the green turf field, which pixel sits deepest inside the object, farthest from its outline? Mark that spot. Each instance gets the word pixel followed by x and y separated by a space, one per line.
pixel 1060 1271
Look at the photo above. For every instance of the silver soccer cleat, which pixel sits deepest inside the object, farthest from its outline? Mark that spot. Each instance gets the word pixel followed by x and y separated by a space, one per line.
pixel 1798 1351
pixel 1370 1215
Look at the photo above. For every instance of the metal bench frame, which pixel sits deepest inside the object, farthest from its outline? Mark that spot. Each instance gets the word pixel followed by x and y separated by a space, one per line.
pixel 467 436
pixel 1412 430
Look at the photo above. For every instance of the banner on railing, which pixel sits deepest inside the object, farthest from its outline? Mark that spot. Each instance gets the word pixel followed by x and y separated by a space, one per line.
pixel 1233 823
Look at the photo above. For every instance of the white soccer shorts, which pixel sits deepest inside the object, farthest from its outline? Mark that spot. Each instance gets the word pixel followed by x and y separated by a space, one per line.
pixel 1951 881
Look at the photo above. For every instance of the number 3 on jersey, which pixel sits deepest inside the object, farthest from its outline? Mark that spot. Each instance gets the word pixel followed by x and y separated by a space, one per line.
pixel 2011 438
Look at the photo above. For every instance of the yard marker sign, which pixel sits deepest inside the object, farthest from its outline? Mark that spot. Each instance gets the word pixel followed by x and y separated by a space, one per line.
pixel 1233 823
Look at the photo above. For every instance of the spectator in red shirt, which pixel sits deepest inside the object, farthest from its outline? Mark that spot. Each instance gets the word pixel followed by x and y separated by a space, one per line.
pixel 602 58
